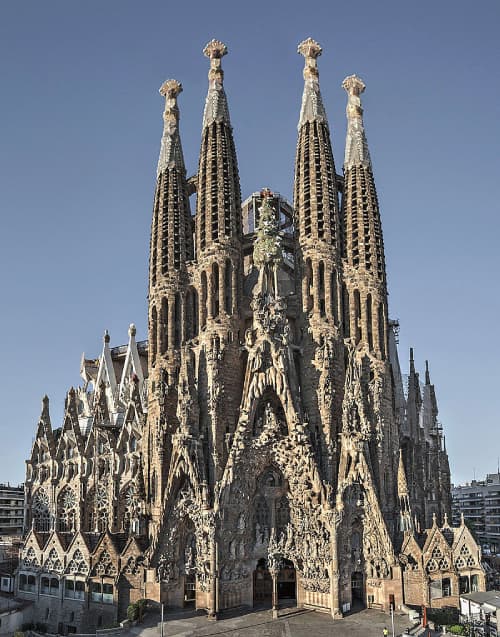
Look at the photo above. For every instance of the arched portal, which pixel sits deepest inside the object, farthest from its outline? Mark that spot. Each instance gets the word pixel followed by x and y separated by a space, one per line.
pixel 271 517
pixel 352 561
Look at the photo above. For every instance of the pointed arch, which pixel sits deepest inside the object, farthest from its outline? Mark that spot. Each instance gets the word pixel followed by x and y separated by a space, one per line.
pixel 268 413
pixel 67 504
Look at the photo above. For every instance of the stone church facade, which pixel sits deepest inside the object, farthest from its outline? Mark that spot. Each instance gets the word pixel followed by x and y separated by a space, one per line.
pixel 262 444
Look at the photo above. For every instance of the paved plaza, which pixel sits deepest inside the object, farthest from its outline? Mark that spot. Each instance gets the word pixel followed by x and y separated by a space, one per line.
pixel 291 623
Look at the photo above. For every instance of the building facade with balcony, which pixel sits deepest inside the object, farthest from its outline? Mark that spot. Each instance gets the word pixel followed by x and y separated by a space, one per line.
pixel 479 502
pixel 11 509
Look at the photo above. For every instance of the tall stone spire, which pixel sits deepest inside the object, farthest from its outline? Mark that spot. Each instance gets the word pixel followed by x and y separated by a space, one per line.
pixel 312 108
pixel 318 259
pixel 363 249
pixel 316 198
pixel 171 150
pixel 356 146
pixel 219 199
pixel 171 234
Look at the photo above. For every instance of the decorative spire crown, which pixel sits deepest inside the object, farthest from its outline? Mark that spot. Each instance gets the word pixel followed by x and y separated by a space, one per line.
pixel 171 149
pixel 311 51
pixel 215 50
pixel 312 108
pixel 216 109
pixel 356 148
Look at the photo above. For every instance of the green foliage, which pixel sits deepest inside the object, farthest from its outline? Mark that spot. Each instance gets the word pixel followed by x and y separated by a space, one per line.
pixel 457 629
pixel 132 612
pixel 443 616
pixel 136 610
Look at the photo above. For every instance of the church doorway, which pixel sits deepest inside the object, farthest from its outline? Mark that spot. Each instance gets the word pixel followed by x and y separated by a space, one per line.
pixel 357 589
pixel 262 585
pixel 287 582
pixel 189 590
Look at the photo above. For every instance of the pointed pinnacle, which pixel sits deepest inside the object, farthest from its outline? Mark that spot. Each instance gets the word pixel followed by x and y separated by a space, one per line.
pixel 311 51
pixel 45 406
pixel 170 88
pixel 215 50
pixel 427 374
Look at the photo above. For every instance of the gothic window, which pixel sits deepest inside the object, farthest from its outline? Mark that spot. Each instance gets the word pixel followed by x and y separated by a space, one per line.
pixel 195 310
pixel 443 564
pixel 41 511
pixel 30 558
pixel 203 300
pixel 214 310
pixel 333 297
pixel 177 321
pixel 369 320
pixel 262 514
pixel 104 566
pixel 282 512
pixel 346 320
pixel 66 510
pixel 309 282
pixel 228 297
pixel 431 566
pixel 463 584
pixel 189 317
pixel 130 504
pixel 102 505
pixel 357 316
pixel 153 486
pixel 460 563
pixel 164 326
pixel 77 564
pixel 154 328
pixel 53 563
pixel 436 552
pixel 446 587
pixel 381 329
pixel 474 583
pixel 321 284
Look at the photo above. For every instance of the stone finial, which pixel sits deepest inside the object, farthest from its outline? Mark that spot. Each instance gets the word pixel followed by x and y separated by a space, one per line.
pixel 216 109
pixel 132 330
pixel 353 85
pixel 311 51
pixel 462 518
pixel 170 150
pixel 106 337
pixel 170 89
pixel 434 519
pixel 356 151
pixel 215 50
pixel 312 108
pixel 45 408
pixel 427 374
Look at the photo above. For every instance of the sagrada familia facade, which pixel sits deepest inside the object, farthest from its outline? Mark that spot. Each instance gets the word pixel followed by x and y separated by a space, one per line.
pixel 261 444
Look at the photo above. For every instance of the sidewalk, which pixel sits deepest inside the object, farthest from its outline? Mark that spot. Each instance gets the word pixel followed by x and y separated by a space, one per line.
pixel 292 622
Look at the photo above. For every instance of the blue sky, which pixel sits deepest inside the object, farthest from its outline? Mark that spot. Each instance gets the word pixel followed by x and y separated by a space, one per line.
pixel 81 125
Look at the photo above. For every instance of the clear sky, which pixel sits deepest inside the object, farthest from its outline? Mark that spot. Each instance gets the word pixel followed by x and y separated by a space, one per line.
pixel 81 122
